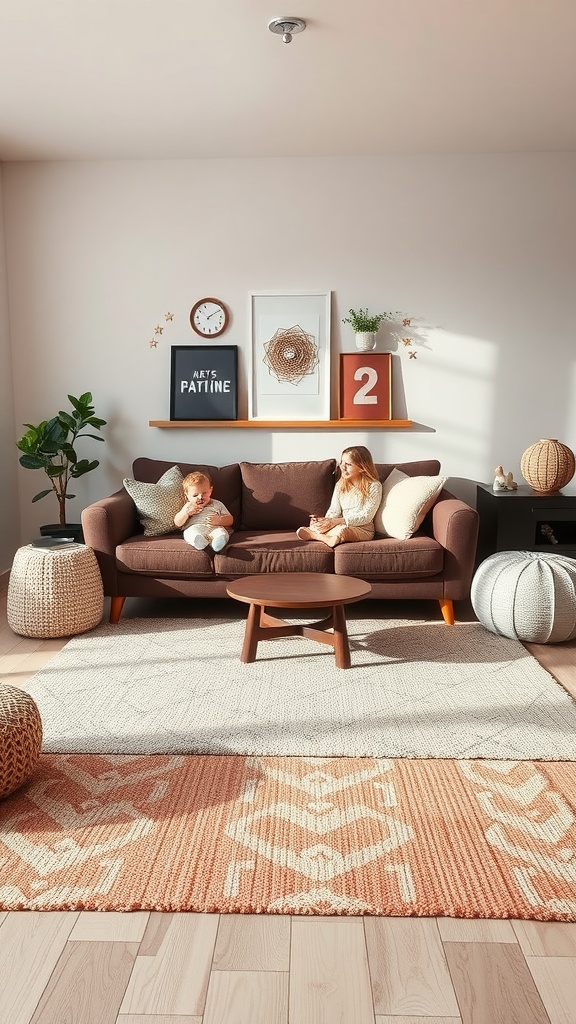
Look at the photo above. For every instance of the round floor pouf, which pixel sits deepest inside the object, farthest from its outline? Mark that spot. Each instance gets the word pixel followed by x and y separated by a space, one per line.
pixel 20 738
pixel 528 595
pixel 54 591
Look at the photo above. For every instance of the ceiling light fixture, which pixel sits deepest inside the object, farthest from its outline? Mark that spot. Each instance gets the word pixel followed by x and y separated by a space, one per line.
pixel 286 27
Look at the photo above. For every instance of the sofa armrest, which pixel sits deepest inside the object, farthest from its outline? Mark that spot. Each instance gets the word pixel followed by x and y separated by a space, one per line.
pixel 455 527
pixel 105 524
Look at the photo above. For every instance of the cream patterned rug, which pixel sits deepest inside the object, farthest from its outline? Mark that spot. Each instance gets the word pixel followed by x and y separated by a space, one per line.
pixel 415 689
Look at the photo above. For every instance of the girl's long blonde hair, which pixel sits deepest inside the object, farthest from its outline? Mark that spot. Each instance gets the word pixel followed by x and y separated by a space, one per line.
pixel 360 456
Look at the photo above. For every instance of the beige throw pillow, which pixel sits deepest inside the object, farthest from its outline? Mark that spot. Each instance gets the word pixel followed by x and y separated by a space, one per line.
pixel 157 504
pixel 405 502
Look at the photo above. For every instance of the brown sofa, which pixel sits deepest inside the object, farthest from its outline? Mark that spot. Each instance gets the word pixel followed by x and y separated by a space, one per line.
pixel 269 501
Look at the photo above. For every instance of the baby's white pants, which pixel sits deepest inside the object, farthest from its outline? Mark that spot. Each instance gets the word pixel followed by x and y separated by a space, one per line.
pixel 200 536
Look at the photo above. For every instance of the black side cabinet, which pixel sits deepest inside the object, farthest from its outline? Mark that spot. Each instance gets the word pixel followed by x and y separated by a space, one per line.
pixel 523 520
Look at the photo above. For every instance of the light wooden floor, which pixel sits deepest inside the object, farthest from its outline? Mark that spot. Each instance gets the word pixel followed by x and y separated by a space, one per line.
pixel 141 968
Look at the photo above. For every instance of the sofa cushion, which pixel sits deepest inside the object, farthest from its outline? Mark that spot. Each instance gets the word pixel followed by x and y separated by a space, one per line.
pixel 405 502
pixel 225 479
pixel 283 495
pixel 386 558
pixel 272 551
pixel 157 503
pixel 164 557
pixel 425 467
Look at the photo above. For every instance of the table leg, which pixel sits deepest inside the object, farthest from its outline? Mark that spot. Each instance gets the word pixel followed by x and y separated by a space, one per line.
pixel 262 626
pixel 251 632
pixel 341 645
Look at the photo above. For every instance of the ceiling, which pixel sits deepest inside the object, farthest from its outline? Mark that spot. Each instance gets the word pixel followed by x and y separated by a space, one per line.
pixel 160 79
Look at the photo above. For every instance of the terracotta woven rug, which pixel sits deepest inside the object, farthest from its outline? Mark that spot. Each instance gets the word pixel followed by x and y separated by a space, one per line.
pixel 291 835
pixel 415 689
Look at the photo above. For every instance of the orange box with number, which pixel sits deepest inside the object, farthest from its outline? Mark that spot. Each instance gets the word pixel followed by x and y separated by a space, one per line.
pixel 366 386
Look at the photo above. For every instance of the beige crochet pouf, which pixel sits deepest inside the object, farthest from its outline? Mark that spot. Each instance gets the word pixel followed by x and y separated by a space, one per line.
pixel 20 738
pixel 54 591
pixel 528 595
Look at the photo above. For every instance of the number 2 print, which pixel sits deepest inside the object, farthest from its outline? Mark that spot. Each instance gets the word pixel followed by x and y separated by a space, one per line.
pixel 366 386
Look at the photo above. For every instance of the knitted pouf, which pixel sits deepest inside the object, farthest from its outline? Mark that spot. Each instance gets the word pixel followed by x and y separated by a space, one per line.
pixel 20 738
pixel 527 595
pixel 54 591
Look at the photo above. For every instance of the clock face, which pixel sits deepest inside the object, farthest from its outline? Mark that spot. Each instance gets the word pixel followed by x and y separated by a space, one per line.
pixel 209 317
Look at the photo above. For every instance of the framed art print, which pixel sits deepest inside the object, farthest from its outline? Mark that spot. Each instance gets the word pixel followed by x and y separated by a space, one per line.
pixel 290 356
pixel 204 382
pixel 366 386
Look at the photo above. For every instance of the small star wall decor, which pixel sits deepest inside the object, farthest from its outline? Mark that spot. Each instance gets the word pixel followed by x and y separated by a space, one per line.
pixel 410 332
pixel 159 330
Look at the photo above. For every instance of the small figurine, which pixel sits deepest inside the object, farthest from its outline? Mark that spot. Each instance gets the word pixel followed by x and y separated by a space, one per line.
pixel 547 531
pixel 503 481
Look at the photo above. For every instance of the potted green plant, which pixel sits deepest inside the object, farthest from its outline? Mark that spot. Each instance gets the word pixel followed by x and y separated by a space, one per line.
pixel 50 446
pixel 365 326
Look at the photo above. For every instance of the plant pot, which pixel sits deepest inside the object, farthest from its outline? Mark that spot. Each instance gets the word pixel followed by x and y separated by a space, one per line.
pixel 73 530
pixel 365 341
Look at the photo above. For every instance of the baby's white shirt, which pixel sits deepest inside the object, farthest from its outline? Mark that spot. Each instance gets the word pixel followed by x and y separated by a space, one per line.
pixel 201 517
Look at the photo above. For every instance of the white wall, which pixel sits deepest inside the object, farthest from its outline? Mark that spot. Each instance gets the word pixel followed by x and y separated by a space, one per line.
pixel 9 519
pixel 480 250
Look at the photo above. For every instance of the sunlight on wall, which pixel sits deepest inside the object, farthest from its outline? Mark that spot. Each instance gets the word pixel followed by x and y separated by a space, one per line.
pixel 570 438
pixel 453 391
pixel 450 393
pixel 460 374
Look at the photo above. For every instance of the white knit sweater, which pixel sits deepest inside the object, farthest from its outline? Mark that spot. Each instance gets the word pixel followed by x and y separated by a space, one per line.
pixel 353 507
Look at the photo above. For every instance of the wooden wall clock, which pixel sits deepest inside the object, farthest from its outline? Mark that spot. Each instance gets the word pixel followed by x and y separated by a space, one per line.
pixel 209 317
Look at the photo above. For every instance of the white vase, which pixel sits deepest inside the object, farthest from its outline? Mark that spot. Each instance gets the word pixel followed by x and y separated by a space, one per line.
pixel 365 341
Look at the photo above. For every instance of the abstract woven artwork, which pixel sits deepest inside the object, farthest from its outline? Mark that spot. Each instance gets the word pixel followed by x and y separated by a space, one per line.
pixel 291 354
pixel 292 835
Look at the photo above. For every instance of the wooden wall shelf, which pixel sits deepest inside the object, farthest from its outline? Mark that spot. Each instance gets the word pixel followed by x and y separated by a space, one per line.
pixel 285 424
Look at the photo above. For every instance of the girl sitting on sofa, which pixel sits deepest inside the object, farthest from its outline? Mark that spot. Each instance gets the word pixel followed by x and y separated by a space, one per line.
pixel 354 503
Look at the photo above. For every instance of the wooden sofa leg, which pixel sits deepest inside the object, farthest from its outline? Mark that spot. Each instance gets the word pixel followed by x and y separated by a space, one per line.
pixel 116 605
pixel 447 609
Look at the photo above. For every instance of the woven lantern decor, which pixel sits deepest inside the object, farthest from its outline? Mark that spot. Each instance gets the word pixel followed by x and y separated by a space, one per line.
pixel 547 465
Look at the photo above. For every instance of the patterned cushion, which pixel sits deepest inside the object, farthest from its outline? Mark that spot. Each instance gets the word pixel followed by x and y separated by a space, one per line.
pixel 405 502
pixel 157 504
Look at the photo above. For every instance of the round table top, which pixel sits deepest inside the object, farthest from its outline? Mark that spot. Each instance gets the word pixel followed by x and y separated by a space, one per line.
pixel 298 589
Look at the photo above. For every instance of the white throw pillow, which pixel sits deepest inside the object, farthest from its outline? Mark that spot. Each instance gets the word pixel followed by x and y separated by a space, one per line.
pixel 405 502
pixel 157 504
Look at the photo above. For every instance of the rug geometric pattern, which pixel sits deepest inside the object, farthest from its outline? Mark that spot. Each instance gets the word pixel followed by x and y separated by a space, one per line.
pixel 292 835
pixel 415 689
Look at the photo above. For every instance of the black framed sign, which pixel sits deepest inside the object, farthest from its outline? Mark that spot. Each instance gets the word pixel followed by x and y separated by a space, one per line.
pixel 204 382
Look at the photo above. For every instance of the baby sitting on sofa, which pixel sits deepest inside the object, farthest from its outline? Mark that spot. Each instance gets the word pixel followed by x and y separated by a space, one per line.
pixel 202 518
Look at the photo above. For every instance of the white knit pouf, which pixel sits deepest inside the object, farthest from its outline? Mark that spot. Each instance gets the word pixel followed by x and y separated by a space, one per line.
pixel 54 591
pixel 528 595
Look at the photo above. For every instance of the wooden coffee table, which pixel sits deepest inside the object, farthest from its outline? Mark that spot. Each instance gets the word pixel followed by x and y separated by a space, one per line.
pixel 297 590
